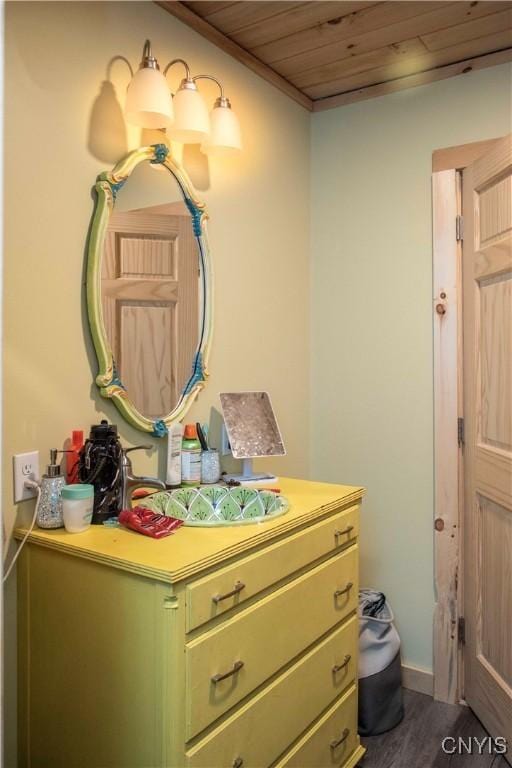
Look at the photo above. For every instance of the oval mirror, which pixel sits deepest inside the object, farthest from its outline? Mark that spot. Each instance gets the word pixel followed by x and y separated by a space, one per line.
pixel 149 289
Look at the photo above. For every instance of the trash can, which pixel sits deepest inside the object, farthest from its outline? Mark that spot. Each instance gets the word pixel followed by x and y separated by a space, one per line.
pixel 380 672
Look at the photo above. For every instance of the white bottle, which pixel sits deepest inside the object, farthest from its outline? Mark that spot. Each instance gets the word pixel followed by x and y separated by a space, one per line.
pixel 174 437
pixel 77 504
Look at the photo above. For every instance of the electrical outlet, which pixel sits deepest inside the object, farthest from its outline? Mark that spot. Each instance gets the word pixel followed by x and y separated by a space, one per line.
pixel 225 447
pixel 26 467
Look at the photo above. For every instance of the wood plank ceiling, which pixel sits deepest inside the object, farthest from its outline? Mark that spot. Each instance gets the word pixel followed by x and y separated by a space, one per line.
pixel 325 54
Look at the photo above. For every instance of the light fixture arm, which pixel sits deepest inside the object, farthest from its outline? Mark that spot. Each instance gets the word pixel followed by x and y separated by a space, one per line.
pixel 214 79
pixel 179 61
pixel 113 61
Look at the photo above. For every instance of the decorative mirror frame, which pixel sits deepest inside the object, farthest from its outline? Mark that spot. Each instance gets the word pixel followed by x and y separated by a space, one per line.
pixel 108 380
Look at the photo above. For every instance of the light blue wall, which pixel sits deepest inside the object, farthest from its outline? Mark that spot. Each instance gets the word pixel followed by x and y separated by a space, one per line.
pixel 372 392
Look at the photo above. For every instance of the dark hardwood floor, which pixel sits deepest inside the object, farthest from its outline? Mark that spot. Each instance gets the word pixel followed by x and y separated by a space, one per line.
pixel 416 742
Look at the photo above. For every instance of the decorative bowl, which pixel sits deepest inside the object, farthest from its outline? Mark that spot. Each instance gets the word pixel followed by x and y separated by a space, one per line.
pixel 215 505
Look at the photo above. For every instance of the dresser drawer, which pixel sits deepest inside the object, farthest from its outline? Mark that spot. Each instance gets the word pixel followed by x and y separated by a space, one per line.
pixel 215 594
pixel 331 741
pixel 293 701
pixel 225 664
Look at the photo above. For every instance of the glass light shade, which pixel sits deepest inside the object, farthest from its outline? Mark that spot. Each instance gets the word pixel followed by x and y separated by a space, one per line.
pixel 225 135
pixel 192 122
pixel 148 99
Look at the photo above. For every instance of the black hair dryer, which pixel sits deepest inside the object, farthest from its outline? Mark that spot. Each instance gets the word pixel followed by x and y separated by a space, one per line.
pixel 100 465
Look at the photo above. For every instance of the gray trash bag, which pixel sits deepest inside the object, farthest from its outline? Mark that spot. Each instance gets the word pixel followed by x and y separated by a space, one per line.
pixel 380 673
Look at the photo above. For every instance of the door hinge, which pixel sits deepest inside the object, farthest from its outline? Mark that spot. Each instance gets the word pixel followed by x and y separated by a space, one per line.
pixel 459 227
pixel 460 431
pixel 461 630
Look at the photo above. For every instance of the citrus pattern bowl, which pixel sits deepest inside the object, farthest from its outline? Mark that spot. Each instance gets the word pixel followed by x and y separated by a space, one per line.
pixel 217 505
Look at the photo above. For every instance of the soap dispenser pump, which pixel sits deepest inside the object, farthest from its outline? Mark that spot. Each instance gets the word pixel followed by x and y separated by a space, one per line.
pixel 50 504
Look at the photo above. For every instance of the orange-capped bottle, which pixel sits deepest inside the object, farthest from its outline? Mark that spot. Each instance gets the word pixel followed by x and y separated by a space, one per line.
pixel 190 457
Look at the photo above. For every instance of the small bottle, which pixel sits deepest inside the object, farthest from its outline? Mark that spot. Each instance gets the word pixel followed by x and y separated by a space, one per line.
pixel 49 513
pixel 77 504
pixel 73 456
pixel 190 457
pixel 175 439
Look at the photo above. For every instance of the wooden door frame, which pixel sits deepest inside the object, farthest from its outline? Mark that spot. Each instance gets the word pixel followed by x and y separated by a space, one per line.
pixel 447 170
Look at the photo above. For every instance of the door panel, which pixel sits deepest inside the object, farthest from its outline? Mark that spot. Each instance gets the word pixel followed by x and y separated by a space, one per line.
pixel 496 603
pixel 487 309
pixel 496 380
pixel 495 204
pixel 147 353
pixel 147 257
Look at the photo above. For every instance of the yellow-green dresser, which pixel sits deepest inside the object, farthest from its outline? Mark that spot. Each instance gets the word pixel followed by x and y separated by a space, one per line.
pixel 229 647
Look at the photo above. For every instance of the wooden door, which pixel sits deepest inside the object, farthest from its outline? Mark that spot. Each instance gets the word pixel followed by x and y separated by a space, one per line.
pixel 487 310
pixel 150 305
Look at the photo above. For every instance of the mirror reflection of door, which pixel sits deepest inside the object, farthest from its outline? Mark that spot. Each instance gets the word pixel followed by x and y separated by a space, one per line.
pixel 150 302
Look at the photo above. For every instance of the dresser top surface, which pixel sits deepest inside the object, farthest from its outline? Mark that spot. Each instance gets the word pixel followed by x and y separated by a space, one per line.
pixel 191 550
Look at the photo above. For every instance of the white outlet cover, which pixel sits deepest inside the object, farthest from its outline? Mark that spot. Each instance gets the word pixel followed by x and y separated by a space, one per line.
pixel 25 467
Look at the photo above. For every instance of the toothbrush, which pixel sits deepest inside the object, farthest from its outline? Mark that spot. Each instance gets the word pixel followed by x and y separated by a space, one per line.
pixel 201 437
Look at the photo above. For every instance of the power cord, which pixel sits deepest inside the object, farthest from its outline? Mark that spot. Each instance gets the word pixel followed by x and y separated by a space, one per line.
pixel 37 488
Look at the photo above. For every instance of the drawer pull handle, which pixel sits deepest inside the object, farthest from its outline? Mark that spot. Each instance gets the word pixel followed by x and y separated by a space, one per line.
pixel 237 588
pixel 343 591
pixel 339 667
pixel 236 667
pixel 346 531
pixel 238 762
pixel 337 742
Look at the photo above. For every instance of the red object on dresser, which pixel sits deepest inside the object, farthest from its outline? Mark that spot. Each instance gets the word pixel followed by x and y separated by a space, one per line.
pixel 73 456
pixel 149 523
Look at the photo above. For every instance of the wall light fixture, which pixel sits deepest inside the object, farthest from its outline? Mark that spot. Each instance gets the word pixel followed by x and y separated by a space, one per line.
pixel 150 104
